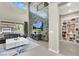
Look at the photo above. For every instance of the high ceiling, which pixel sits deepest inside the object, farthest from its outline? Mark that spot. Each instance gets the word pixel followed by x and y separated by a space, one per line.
pixel 41 12
pixel 69 7
pixel 9 11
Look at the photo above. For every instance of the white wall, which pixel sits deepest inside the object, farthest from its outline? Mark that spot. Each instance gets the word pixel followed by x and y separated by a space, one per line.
pixel 71 16
pixel 9 12
pixel 66 14
pixel 53 27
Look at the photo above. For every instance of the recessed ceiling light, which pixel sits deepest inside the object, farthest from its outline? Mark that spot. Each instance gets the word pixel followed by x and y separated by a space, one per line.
pixel 68 4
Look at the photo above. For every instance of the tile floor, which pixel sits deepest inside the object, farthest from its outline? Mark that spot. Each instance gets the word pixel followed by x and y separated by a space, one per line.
pixel 38 51
pixel 69 48
pixel 41 43
pixel 41 50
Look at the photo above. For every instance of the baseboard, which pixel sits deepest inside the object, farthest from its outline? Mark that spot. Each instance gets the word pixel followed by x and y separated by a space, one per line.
pixel 57 52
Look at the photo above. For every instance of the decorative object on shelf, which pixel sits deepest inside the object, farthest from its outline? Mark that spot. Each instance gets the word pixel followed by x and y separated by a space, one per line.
pixel 70 30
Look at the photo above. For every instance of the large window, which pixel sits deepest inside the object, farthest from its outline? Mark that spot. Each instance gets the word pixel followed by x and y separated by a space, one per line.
pixel 21 5
pixel 20 28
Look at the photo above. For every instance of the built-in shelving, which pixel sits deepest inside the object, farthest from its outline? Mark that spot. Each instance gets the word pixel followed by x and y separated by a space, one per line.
pixel 70 30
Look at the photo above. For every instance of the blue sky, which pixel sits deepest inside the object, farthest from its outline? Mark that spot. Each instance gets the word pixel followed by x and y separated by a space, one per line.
pixel 20 5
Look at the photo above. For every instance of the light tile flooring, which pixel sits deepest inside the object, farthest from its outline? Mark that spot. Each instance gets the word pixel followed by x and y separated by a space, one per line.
pixel 69 48
pixel 41 50
pixel 38 51
pixel 41 43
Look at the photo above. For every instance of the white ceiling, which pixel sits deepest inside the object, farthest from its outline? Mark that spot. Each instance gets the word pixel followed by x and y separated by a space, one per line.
pixel 69 8
pixel 9 11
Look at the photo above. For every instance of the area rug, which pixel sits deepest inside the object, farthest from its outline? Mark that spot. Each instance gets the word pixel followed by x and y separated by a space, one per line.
pixel 19 50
